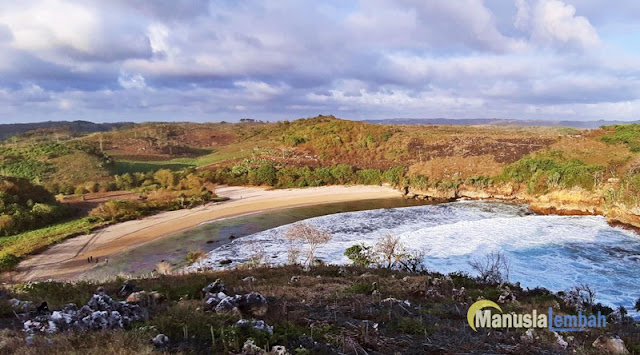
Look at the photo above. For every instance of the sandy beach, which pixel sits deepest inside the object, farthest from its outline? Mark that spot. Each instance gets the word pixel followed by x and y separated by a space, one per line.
pixel 67 260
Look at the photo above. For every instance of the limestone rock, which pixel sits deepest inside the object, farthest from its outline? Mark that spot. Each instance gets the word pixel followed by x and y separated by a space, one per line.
pixel 611 345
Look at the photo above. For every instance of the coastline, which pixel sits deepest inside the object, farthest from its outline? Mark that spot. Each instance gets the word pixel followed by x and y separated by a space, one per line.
pixel 68 260
pixel 573 202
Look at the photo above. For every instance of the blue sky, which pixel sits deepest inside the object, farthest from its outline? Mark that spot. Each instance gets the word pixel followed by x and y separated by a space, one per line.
pixel 134 60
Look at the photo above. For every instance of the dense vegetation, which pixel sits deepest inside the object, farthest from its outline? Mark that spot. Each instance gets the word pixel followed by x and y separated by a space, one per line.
pixel 24 206
pixel 623 134
pixel 544 173
pixel 57 166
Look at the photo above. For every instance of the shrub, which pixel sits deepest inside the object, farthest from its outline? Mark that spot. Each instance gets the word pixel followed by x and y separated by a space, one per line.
pixel 342 173
pixel 369 177
pixel 628 135
pixel 310 235
pixel 194 256
pixel 166 178
pixel 493 268
pixel 395 176
pixel 8 262
pixel 419 181
pixel 116 211
pixel 360 255
pixel 266 174
pixel 541 174
pixel 80 190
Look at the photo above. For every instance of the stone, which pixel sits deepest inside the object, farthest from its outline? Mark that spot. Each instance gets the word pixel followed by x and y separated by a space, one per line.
pixel 610 344
pixel 100 313
pixel 215 287
pixel 160 340
pixel 279 350
pixel 227 305
pixel 255 324
pixel 249 279
pixel 253 304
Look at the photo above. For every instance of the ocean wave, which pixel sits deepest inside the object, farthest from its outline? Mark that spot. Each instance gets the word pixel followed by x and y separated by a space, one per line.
pixel 555 252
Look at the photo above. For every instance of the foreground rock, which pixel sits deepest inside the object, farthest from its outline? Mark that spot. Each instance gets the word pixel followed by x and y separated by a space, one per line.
pixel 100 313
pixel 610 345
pixel 249 305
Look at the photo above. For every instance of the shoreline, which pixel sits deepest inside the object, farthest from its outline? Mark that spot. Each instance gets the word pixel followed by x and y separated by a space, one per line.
pixel 68 260
pixel 574 202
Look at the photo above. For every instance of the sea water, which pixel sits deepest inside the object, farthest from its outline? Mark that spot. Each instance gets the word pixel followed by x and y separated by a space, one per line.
pixel 555 252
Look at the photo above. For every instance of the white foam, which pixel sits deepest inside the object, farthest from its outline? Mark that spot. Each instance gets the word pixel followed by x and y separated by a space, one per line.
pixel 556 252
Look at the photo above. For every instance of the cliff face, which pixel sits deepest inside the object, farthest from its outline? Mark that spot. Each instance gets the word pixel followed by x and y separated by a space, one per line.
pixel 574 201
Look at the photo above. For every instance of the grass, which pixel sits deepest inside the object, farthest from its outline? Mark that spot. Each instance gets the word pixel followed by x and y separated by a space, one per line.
pixel 29 242
pixel 131 166
pixel 123 166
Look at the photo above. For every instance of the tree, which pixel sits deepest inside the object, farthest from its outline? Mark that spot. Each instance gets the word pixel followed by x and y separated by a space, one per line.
pixel 390 250
pixel 310 235
pixel 266 174
pixel 493 268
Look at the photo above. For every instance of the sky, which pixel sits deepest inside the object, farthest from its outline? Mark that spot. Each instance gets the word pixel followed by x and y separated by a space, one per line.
pixel 197 60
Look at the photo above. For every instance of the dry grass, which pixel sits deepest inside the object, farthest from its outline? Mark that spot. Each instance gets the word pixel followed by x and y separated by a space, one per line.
pixel 461 167
pixel 590 150
pixel 330 305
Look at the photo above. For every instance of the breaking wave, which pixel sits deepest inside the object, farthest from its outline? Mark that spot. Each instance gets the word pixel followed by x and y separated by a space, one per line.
pixel 555 252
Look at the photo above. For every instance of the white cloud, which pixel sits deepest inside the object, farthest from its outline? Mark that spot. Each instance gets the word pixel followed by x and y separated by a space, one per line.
pixel 259 90
pixel 555 23
pixel 129 81
pixel 367 58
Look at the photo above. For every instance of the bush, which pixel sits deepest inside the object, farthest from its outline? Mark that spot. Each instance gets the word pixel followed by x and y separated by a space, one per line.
pixel 311 236
pixel 540 174
pixel 8 262
pixel 395 176
pixel 369 177
pixel 342 173
pixel 360 255
pixel 628 135
pixel 116 211
pixel 493 268
pixel 80 190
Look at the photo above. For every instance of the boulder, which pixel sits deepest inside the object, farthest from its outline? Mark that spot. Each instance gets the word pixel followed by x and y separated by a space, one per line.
pixel 227 305
pixel 215 287
pixel 610 344
pixel 211 300
pixel 100 313
pixel 253 304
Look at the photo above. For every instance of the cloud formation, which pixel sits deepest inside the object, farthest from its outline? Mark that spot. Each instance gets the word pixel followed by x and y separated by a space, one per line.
pixel 222 60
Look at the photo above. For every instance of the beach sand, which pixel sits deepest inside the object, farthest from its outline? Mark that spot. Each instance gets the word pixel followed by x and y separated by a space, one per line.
pixel 67 260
